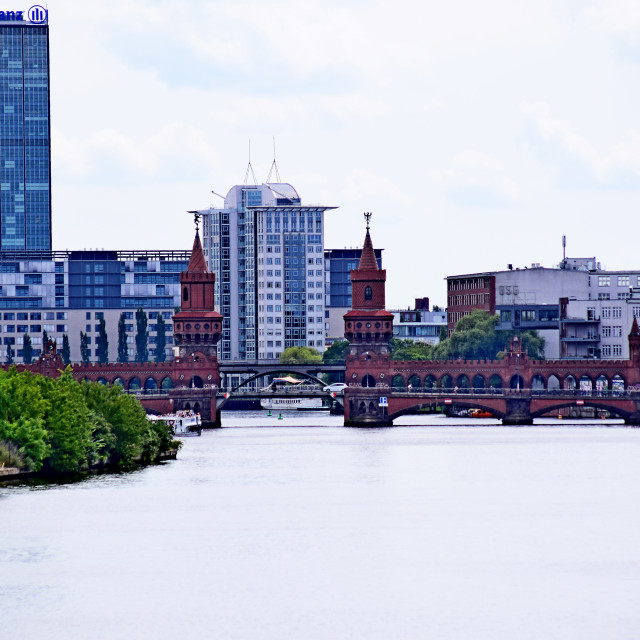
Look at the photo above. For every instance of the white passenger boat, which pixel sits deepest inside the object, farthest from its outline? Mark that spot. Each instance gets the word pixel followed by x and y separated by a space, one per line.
pixel 280 404
pixel 183 423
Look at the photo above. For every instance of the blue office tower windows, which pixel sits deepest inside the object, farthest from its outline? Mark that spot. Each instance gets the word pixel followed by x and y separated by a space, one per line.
pixel 25 138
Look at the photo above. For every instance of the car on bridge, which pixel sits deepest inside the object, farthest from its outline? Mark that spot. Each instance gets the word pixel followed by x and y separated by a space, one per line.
pixel 336 387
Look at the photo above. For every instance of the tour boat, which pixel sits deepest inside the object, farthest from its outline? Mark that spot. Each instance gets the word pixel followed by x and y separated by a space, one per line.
pixel 302 404
pixel 183 423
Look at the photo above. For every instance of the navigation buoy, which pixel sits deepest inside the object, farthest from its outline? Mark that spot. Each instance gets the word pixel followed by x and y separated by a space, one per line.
pixel 280 417
pixel 269 412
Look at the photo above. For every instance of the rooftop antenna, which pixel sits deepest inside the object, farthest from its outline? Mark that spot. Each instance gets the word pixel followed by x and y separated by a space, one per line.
pixel 564 249
pixel 249 172
pixel 217 194
pixel 274 166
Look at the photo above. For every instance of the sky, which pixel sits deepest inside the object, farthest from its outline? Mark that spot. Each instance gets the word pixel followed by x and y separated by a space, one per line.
pixel 477 133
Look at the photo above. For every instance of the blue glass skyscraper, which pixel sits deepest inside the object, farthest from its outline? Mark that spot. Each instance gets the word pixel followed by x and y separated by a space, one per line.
pixel 25 132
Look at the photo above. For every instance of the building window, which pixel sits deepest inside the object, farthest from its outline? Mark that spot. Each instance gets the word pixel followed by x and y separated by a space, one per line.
pixel 604 296
pixel 623 281
pixel 606 350
pixel 606 312
pixel 368 293
pixel 617 350
pixel 617 312
pixel 604 281
pixel 606 332
pixel 617 332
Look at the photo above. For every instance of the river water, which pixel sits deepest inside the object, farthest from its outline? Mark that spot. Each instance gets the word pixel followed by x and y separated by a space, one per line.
pixel 300 528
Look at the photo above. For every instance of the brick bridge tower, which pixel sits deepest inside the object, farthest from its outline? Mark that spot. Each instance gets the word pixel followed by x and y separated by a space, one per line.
pixel 369 328
pixel 197 330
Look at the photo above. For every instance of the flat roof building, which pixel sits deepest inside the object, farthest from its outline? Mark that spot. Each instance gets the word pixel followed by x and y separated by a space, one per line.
pixel 25 131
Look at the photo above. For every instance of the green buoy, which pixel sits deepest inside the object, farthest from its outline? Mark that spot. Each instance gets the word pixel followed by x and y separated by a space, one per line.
pixel 269 412
pixel 280 417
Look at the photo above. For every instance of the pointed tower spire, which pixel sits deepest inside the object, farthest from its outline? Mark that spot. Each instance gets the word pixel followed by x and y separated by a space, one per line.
pixel 368 257
pixel 368 326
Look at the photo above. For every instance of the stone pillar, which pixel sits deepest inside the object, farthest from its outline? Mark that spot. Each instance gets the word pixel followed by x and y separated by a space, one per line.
pixel 361 409
pixel 518 410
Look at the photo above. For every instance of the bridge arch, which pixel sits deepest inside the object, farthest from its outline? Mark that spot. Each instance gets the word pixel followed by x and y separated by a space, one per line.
pixel 446 381
pixel 495 381
pixel 569 383
pixel 479 382
pixel 368 381
pixel 618 384
pixel 280 372
pixel 103 381
pixel 553 382
pixel 430 382
pixel 602 384
pixel 414 381
pixel 397 382
pixel 167 383
pixel 134 384
pixel 586 384
pixel 150 384
pixel 462 381
pixel 425 403
pixel 537 382
pixel 118 381
pixel 602 405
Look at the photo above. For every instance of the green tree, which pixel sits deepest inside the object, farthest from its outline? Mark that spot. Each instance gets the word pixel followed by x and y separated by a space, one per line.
pixel 66 349
pixel 404 349
pixel 10 354
pixel 103 343
pixel 476 337
pixel 300 355
pixel 444 333
pixel 85 353
pixel 123 350
pixel 161 339
pixel 337 352
pixel 436 308
pixel 142 336
pixel 45 339
pixel 27 350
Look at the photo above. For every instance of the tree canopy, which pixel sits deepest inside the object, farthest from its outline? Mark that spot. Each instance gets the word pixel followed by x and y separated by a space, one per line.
pixel 161 339
pixel 300 355
pixel 142 336
pixel 475 337
pixel 404 349
pixel 61 425
pixel 337 352
pixel 123 350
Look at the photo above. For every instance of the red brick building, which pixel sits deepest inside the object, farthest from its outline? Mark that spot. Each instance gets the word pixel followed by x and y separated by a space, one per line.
pixel 469 292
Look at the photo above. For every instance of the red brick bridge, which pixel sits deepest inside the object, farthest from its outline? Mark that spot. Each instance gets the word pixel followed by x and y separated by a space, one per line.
pixel 514 389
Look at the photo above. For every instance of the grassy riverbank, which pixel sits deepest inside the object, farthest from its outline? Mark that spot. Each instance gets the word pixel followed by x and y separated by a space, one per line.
pixel 60 426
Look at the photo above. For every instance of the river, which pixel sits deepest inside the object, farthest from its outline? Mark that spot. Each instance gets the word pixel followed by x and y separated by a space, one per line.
pixel 300 528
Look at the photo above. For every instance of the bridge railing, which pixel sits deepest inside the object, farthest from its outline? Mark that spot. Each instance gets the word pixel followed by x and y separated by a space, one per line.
pixel 489 392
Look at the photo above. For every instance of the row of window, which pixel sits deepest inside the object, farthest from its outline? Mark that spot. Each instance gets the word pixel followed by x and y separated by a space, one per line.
pixel 468 283
pixel 623 281
pixel 469 299
pixel 609 350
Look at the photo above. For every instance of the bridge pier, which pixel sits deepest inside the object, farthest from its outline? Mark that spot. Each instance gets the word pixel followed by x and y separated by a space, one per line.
pixel 518 411
pixel 362 410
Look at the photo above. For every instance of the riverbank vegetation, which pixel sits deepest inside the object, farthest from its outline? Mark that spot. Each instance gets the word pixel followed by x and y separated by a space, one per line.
pixel 62 426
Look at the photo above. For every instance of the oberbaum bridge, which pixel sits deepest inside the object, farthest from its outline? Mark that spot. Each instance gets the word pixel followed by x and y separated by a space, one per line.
pixel 514 389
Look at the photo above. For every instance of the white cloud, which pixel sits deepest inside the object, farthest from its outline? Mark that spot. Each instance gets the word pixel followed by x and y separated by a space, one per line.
pixel 622 160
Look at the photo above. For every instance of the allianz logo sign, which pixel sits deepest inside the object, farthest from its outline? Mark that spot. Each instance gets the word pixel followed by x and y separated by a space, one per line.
pixel 36 15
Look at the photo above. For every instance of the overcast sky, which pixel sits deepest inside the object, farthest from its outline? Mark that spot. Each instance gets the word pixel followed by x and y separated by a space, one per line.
pixel 476 132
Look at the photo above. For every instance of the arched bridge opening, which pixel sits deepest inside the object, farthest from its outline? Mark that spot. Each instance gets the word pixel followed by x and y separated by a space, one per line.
pixel 279 373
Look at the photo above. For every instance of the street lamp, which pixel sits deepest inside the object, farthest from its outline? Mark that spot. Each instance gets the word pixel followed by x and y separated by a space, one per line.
pixel 193 381
pixel 366 378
